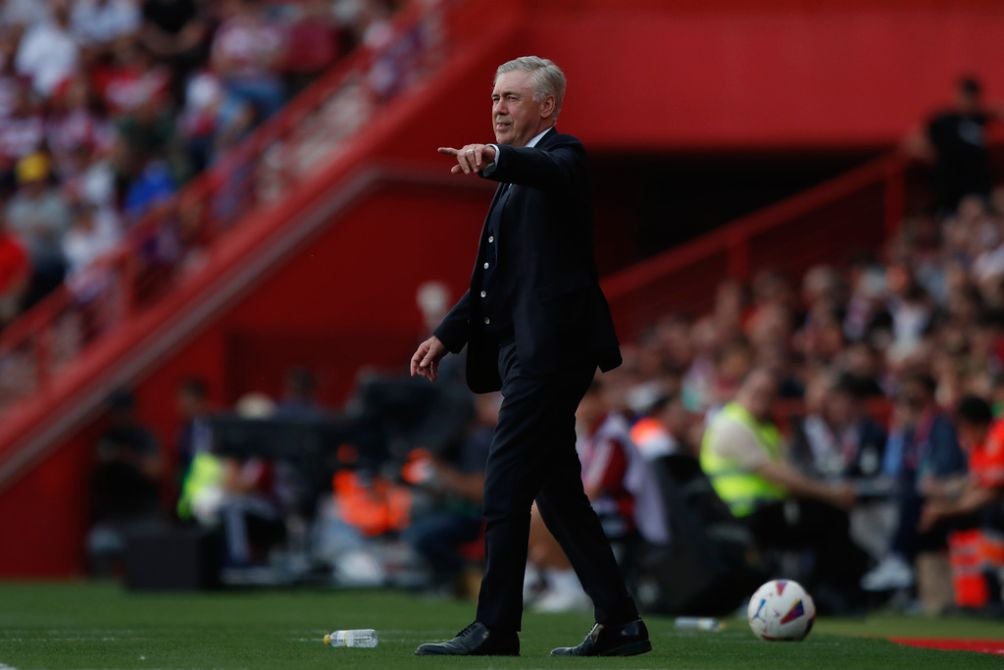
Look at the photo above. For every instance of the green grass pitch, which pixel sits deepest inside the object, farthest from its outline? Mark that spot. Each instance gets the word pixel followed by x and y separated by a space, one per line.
pixel 103 626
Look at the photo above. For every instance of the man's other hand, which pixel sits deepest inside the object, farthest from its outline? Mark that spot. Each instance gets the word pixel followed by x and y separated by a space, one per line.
pixel 425 362
pixel 471 158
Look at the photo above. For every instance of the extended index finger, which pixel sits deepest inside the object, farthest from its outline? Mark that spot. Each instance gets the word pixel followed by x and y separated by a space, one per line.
pixel 449 151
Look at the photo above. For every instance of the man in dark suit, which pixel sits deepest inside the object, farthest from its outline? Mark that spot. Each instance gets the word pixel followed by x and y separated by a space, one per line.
pixel 536 326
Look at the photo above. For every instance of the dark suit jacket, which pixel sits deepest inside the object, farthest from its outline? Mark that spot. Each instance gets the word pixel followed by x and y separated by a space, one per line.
pixel 558 311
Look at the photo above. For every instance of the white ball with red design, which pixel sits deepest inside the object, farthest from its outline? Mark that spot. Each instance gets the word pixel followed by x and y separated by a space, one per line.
pixel 781 610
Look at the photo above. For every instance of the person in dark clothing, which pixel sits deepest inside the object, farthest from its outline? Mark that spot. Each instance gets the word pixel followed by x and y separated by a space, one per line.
pixel 536 326
pixel 125 485
pixel 126 480
pixel 837 439
pixel 299 396
pixel 195 435
pixel 922 454
pixel 955 141
pixel 177 32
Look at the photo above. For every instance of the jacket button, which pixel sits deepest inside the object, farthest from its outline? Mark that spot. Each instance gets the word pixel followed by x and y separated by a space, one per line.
pixel 487 321
pixel 484 294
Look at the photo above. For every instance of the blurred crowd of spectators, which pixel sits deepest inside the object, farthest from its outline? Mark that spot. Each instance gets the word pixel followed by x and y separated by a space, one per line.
pixel 107 107
pixel 865 365
pixel 850 412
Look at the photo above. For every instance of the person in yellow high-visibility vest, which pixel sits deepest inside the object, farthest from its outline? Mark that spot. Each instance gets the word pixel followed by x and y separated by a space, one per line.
pixel 742 454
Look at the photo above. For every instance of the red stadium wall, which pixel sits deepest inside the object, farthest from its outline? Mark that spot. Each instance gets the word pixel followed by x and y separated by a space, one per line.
pixel 337 311
pixel 766 74
pixel 735 75
pixel 646 76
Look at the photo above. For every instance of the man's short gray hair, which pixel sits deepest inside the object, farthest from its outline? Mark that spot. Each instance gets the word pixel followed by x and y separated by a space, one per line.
pixel 548 79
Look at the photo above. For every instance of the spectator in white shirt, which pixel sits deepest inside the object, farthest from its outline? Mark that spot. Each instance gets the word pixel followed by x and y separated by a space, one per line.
pixel 99 22
pixel 93 233
pixel 49 53
pixel 24 13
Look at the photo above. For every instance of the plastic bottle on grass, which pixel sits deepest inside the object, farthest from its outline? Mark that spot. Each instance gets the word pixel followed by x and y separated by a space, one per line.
pixel 365 638
pixel 707 624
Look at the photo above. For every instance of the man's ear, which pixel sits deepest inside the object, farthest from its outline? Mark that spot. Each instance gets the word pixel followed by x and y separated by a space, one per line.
pixel 547 107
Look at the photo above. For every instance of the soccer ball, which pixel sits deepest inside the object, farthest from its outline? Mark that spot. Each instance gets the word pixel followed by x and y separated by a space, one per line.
pixel 781 610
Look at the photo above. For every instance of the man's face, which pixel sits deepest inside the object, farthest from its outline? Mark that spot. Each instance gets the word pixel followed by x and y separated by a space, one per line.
pixel 758 395
pixel 969 102
pixel 839 408
pixel 971 435
pixel 914 395
pixel 676 418
pixel 189 404
pixel 516 116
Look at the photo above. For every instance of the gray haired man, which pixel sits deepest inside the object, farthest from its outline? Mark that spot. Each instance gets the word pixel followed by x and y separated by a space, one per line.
pixel 536 326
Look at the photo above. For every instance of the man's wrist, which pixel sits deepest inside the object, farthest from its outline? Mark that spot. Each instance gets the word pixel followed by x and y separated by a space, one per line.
pixel 491 167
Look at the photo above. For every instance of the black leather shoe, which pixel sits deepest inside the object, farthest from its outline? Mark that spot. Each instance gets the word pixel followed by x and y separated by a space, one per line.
pixel 630 639
pixel 475 640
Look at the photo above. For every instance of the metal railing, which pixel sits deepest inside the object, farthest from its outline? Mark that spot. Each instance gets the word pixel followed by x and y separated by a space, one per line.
pixel 854 212
pixel 828 224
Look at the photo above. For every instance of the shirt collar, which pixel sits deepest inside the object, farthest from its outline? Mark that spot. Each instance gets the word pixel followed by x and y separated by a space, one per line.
pixel 537 138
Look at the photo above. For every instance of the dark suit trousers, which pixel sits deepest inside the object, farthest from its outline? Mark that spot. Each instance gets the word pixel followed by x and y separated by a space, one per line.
pixel 533 456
